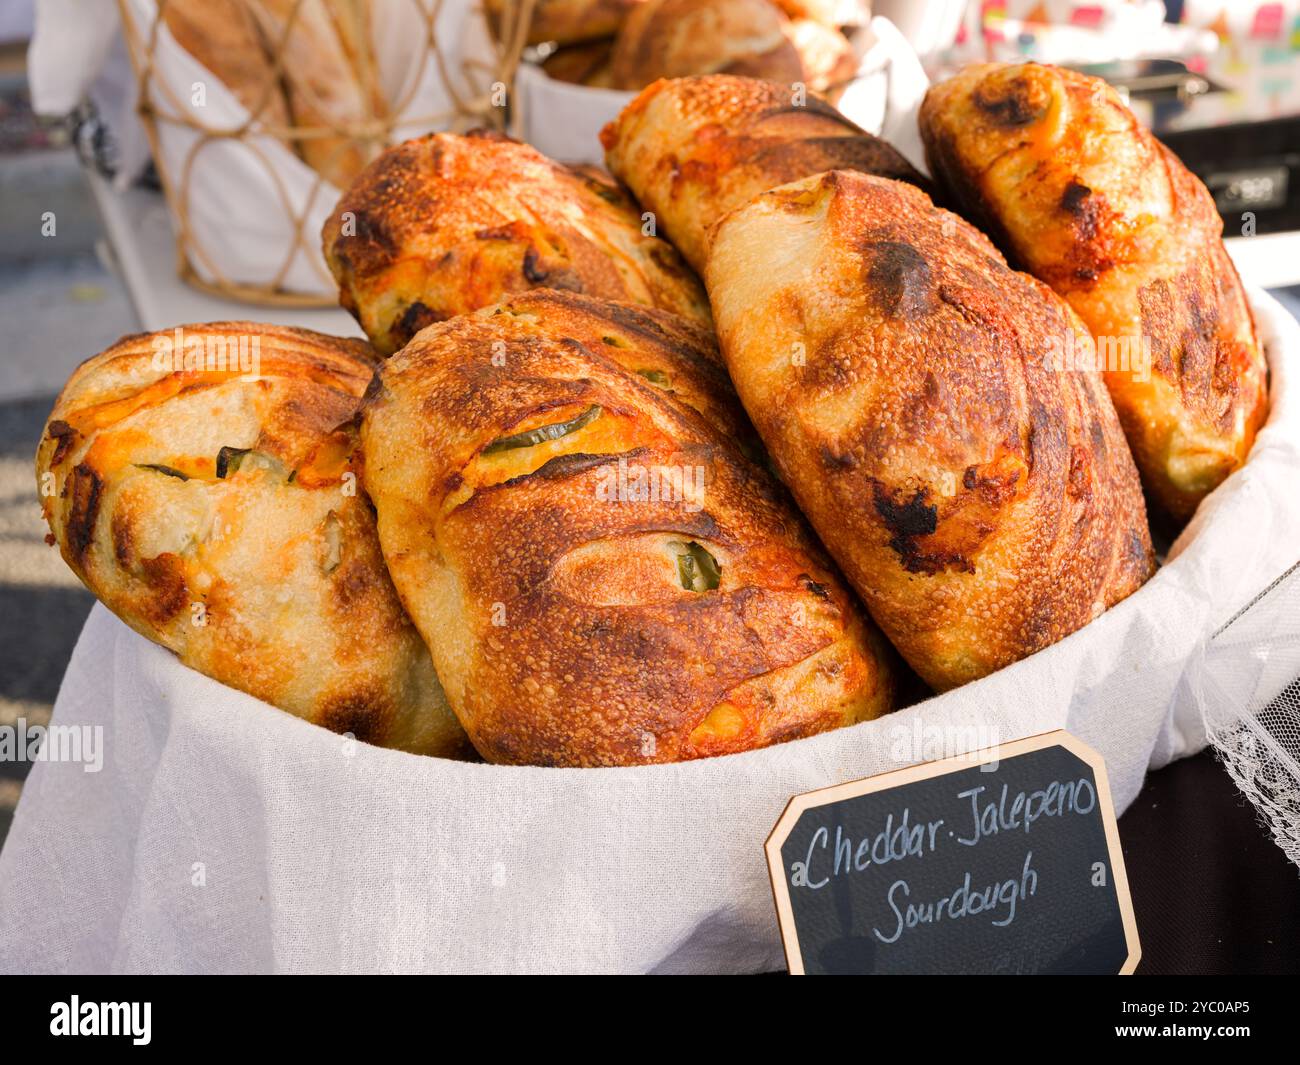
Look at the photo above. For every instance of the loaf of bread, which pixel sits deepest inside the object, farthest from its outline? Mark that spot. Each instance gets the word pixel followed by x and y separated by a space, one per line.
pixel 602 577
pixel 562 21
pixel 446 224
pixel 675 38
pixel 827 12
pixel 1055 166
pixel 200 484
pixel 224 37
pixel 582 64
pixel 824 53
pixel 692 149
pixel 982 501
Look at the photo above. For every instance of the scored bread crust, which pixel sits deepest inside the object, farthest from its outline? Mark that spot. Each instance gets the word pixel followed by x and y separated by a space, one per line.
pixel 1080 194
pixel 269 578
pixel 446 224
pixel 559 621
pixel 983 504
pixel 692 149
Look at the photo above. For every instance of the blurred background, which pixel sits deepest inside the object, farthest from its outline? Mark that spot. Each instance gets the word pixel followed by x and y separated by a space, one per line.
pixel 107 226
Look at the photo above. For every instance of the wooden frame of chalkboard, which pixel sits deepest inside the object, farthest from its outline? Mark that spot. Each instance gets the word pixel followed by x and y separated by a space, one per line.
pixel 800 804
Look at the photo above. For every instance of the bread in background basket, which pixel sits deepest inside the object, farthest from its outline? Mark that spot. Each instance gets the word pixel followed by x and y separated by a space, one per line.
pixel 561 21
pixel 248 183
pixel 751 38
pixel 326 73
pixel 627 44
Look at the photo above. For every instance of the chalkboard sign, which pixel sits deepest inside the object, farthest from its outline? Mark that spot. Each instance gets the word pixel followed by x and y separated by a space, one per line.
pixel 1003 862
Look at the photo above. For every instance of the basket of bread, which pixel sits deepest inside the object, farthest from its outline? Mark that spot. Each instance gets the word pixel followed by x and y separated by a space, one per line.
pixel 501 641
pixel 259 112
pixel 583 61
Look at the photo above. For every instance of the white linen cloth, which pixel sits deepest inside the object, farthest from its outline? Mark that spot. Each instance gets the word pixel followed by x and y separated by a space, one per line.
pixel 222 834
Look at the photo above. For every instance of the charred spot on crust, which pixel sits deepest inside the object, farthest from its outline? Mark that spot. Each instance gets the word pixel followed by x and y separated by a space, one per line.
pixel 841 460
pixel 535 273
pixel 994 488
pixel 123 539
pixel 1074 197
pixel 370 229
pixel 1086 211
pixel 1012 104
pixel 900 277
pixel 907 519
pixel 86 488
pixel 912 517
pixel 363 714
pixel 416 317
pixel 819 590
pixel 169 593
pixel 64 436
pixel 351 582
pixel 532 267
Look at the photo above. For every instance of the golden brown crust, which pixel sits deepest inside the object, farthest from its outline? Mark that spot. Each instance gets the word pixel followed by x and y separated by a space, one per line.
pixel 567 21
pixel 546 577
pixel 676 38
pixel 693 149
pixel 260 569
pixel 982 502
pixel 446 224
pixel 1056 167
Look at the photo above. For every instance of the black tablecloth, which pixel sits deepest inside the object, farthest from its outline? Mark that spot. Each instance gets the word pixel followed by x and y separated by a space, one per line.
pixel 1211 890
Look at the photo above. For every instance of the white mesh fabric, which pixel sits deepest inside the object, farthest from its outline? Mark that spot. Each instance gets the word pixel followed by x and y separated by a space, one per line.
pixel 1247 684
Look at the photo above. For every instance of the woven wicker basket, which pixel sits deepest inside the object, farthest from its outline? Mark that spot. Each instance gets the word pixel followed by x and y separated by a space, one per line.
pixel 164 107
